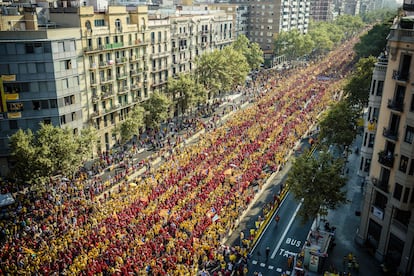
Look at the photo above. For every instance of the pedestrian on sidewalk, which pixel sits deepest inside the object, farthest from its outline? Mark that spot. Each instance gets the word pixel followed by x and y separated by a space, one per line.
pixel 267 253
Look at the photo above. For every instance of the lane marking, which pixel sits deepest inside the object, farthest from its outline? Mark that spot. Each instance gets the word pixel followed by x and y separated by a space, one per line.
pixel 262 264
pixel 254 262
pixel 271 267
pixel 278 269
pixel 286 231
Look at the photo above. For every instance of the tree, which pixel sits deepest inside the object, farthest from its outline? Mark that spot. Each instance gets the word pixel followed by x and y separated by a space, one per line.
pixel 237 69
pixel 48 152
pixel 211 72
pixel 131 125
pixel 350 25
pixel 185 91
pixel 357 88
pixel 293 44
pixel 339 125
pixel 156 108
pixel 373 42
pixel 87 141
pixel 325 35
pixel 250 50
pixel 318 181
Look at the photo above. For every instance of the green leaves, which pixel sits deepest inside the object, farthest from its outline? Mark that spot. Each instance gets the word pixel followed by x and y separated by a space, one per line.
pixel 131 125
pixel 339 125
pixel 318 181
pixel 374 42
pixel 293 44
pixel 357 88
pixel 156 107
pixel 48 152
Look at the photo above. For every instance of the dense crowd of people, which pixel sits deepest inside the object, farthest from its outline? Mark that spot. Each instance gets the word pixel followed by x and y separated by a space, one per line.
pixel 171 220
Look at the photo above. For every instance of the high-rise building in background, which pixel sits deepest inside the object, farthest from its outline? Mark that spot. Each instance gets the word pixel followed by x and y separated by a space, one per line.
pixel 387 218
pixel 322 10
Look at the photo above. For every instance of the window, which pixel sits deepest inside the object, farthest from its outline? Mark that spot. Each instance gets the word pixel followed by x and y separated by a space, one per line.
pixel 36 105
pixel 403 163
pixel 406 194
pixel 397 191
pixel 99 23
pixel 412 103
pixel 29 48
pixel 409 135
pixel 380 87
pixel 63 119
pixel 13 124
pixel 367 165
pixel 53 103
pixel 411 170
pixel 69 100
pixel 371 140
pixel 373 87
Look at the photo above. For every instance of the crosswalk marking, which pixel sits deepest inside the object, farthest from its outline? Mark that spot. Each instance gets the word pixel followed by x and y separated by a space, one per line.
pixel 271 267
pixel 262 264
pixel 278 269
pixel 254 262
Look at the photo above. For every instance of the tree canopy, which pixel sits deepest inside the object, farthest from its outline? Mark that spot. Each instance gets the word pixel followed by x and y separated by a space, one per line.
pixel 357 88
pixel 131 124
pixel 318 181
pixel 185 91
pixel 373 42
pixel 156 108
pixel 48 152
pixel 293 44
pixel 250 50
pixel 339 124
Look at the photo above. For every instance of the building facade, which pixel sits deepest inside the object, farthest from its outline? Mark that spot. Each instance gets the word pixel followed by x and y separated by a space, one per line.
pixel 387 219
pixel 79 66
pixel 321 10
pixel 371 115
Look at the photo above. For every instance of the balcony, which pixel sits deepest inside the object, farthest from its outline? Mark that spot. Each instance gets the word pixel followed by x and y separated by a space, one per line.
pixel 106 80
pixel 93 67
pixel 133 59
pixel 107 95
pixel 103 64
pixel 380 184
pixel 123 90
pixel 95 98
pixel 400 76
pixel 386 159
pixel 121 76
pixel 114 45
pixel 93 83
pixel 95 114
pixel 121 60
pixel 391 134
pixel 395 105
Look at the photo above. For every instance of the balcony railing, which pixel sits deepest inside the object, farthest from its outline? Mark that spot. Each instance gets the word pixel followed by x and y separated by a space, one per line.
pixel 395 105
pixel 107 95
pixel 391 134
pixel 121 76
pixel 380 184
pixel 123 90
pixel 95 98
pixel 386 159
pixel 400 76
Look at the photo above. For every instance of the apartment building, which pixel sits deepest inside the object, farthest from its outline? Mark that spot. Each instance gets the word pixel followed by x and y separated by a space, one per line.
pixel 270 17
pixel 387 219
pixel 321 10
pixel 371 115
pixel 41 76
pixel 159 52
pixel 77 66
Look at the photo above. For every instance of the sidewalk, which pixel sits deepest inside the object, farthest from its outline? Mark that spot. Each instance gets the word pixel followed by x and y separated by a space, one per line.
pixel 346 221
